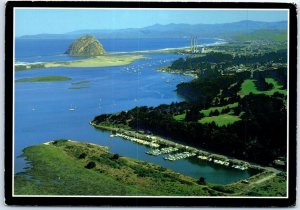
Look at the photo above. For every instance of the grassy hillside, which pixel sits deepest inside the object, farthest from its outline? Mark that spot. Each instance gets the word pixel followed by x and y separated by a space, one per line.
pixel 65 167
pixel 273 35
pixel 220 120
pixel 61 168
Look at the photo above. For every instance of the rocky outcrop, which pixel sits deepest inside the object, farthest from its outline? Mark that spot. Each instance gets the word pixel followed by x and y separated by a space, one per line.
pixel 86 46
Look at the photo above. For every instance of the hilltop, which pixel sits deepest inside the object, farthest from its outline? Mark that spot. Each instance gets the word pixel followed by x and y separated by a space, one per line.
pixel 87 45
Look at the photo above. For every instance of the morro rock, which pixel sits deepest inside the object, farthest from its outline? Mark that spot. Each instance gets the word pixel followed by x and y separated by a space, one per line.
pixel 86 46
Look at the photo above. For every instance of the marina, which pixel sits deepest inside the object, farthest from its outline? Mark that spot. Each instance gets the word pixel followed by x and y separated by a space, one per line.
pixel 177 151
pixel 179 156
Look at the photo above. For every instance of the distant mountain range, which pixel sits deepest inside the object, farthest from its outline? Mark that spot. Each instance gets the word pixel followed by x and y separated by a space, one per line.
pixel 226 30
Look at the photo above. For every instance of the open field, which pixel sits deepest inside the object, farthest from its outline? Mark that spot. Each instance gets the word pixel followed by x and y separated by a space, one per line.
pixel 180 117
pixel 44 79
pixel 98 61
pixel 206 112
pixel 220 120
pixel 248 87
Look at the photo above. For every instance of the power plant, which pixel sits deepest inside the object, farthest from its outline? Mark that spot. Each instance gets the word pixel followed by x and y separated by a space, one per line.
pixel 194 45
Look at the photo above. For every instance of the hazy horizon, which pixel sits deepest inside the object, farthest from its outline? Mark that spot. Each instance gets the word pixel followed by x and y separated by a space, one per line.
pixel 62 21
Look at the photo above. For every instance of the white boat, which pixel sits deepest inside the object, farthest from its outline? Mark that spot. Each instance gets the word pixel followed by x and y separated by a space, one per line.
pixel 72 108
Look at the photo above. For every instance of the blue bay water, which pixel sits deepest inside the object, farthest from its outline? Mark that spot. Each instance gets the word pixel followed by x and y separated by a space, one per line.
pixel 42 109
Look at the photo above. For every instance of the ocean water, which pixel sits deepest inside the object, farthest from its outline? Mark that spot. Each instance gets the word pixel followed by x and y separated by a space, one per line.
pixel 42 109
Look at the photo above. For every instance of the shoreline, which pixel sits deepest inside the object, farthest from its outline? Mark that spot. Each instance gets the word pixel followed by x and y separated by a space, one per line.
pixel 98 61
pixel 108 60
pixel 201 154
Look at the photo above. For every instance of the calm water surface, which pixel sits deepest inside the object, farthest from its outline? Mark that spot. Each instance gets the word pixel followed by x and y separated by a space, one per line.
pixel 42 109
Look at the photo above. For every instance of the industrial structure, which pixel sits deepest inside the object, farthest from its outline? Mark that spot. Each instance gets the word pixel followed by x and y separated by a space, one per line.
pixel 194 44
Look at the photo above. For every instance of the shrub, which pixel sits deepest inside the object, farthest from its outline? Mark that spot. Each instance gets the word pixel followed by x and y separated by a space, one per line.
pixel 90 165
pixel 201 180
pixel 115 157
pixel 82 156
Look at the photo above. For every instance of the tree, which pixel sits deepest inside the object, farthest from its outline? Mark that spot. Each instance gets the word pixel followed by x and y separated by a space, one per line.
pixel 193 114
pixel 115 157
pixel 201 180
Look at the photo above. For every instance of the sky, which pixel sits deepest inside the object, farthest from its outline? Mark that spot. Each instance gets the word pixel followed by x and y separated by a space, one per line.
pixel 59 21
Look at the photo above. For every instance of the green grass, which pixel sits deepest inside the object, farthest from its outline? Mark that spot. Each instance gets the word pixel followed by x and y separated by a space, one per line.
pixel 274 35
pixel 44 79
pixel 206 112
pixel 248 86
pixel 273 187
pixel 220 120
pixel 258 185
pixel 179 117
pixel 58 170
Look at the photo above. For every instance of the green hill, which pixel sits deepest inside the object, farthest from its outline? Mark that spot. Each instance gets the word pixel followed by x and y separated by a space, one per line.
pixel 273 35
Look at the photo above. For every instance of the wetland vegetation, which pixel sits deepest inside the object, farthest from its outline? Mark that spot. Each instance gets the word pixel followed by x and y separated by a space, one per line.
pixel 44 79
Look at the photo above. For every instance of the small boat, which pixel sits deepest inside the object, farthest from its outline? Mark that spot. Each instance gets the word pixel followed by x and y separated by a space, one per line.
pixel 72 108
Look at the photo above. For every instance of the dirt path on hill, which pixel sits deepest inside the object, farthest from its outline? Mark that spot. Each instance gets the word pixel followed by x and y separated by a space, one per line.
pixel 263 179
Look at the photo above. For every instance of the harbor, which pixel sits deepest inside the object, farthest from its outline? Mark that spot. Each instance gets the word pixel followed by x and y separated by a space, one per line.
pixel 173 151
